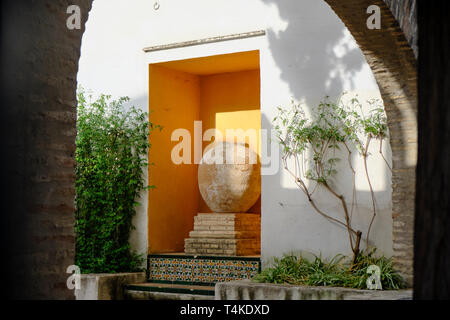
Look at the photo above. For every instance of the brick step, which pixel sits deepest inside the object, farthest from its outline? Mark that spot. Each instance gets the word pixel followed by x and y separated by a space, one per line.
pixel 222 246
pixel 225 234
pixel 232 227
pixel 213 243
pixel 168 291
pixel 225 252
pixel 228 217
pixel 227 214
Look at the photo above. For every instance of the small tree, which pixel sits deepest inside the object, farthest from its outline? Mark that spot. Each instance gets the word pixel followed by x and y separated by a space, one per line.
pixel 111 153
pixel 333 125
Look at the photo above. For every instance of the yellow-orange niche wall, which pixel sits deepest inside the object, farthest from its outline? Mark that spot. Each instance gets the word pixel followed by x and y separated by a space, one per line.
pixel 181 92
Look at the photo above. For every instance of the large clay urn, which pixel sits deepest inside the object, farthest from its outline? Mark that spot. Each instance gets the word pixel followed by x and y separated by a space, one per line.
pixel 229 177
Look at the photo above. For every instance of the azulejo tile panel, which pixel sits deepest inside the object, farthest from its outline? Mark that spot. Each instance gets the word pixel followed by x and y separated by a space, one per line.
pixel 201 269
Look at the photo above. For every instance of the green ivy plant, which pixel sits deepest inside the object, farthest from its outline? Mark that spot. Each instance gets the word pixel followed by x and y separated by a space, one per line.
pixel 112 144
pixel 332 126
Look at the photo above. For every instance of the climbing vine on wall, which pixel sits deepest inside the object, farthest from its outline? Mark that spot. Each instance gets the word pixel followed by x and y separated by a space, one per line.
pixel 111 153
pixel 311 143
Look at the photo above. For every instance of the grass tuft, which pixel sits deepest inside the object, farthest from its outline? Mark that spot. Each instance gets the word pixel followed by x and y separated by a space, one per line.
pixel 337 272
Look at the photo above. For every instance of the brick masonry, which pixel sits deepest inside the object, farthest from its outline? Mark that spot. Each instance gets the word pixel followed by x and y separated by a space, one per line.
pixel 393 64
pixel 405 12
pixel 39 66
pixel 230 234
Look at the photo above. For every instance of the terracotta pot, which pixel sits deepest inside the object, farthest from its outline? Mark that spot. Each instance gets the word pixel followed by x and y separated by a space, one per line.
pixel 229 177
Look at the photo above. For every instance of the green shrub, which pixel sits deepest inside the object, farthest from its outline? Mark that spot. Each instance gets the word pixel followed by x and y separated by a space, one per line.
pixel 111 153
pixel 338 272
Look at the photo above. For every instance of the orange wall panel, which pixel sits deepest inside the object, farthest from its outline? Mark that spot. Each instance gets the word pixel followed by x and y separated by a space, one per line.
pixel 174 102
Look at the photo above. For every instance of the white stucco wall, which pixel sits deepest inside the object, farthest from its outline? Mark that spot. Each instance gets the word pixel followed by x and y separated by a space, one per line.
pixel 307 53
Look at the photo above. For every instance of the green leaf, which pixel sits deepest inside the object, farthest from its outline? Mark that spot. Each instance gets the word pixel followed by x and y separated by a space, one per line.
pixel 111 156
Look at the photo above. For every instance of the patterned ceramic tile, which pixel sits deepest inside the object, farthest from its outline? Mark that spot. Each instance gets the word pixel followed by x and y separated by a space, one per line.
pixel 201 269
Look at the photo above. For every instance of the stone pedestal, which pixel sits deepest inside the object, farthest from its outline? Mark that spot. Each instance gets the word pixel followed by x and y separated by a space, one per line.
pixel 229 234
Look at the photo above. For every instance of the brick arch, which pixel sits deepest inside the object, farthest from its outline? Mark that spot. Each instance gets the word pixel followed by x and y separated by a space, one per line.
pixel 393 64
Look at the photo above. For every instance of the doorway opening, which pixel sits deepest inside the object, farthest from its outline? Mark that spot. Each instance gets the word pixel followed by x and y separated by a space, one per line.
pixel 215 92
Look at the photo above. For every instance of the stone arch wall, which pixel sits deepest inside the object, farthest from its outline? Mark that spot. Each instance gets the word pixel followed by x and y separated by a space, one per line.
pixel 405 12
pixel 39 71
pixel 393 64
pixel 38 83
